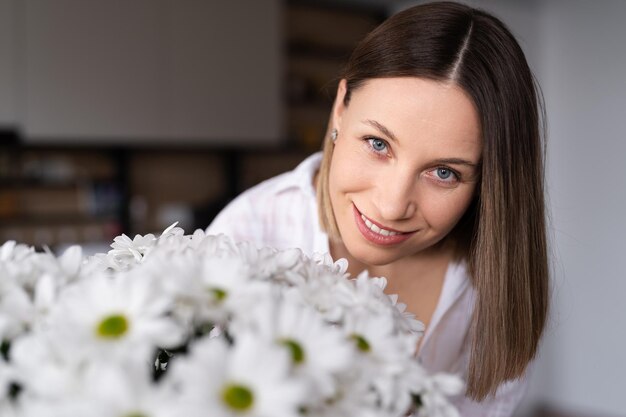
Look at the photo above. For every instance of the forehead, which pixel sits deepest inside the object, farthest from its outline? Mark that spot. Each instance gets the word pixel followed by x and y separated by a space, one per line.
pixel 419 109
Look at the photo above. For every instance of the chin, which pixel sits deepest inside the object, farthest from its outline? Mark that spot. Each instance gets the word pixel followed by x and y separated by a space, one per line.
pixel 371 256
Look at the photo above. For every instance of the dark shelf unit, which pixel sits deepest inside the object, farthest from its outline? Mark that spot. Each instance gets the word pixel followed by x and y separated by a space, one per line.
pixel 51 194
pixel 320 36
pixel 133 172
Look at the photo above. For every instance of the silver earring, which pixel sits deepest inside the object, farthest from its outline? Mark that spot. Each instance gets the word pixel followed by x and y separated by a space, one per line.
pixel 333 135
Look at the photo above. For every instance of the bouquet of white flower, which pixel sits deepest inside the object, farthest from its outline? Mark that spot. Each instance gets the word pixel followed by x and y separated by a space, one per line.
pixel 197 325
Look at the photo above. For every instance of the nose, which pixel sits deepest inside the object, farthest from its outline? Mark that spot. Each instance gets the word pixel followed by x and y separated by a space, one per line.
pixel 397 195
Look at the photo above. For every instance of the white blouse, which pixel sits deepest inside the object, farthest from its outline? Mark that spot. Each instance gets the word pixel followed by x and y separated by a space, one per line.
pixel 282 213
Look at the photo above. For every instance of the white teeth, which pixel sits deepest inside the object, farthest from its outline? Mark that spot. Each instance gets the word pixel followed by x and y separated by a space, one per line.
pixel 377 229
pixel 367 222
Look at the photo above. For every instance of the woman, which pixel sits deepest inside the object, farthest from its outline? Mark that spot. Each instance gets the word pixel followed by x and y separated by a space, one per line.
pixel 432 176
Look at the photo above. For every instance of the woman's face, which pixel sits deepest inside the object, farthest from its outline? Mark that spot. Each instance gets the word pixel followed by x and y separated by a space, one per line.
pixel 404 167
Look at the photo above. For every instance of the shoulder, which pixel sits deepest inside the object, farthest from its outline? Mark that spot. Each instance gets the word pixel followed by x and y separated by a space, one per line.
pixel 297 182
pixel 260 212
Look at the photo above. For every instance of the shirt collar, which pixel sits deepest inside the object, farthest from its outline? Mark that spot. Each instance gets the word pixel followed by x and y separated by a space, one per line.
pixel 302 176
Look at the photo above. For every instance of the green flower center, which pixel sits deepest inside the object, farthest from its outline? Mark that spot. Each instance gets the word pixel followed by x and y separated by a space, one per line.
pixel 238 397
pixel 136 415
pixel 218 293
pixel 297 353
pixel 361 343
pixel 113 327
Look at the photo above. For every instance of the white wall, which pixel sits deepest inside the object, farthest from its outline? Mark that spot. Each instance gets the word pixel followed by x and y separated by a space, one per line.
pixel 582 68
pixel 8 112
pixel 143 71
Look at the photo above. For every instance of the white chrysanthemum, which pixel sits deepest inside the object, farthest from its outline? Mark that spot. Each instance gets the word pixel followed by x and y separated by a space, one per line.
pixel 21 265
pixel 322 289
pixel 198 240
pixel 9 410
pixel 16 310
pixel 269 263
pixel 250 379
pixel 178 274
pixel 12 251
pixel 406 320
pixel 340 266
pixel 220 246
pixel 354 397
pixel 299 332
pixel 118 316
pixel 433 392
pixel 365 295
pixel 128 250
pixel 116 391
pixel 376 338
pixel 70 263
pixel 7 377
pixel 54 388
pixel 29 285
pixel 176 234
pixel 318 350
pixel 383 352
pixel 225 279
pixel 209 289
pixel 43 370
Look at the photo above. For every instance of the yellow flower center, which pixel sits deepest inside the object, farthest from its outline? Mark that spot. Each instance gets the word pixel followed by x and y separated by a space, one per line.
pixel 297 353
pixel 361 343
pixel 218 293
pixel 112 327
pixel 238 397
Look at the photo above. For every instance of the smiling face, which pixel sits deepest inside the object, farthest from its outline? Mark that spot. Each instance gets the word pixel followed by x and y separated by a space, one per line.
pixel 404 167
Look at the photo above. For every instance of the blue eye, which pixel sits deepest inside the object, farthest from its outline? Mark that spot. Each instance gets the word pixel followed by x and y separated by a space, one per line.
pixel 378 145
pixel 444 173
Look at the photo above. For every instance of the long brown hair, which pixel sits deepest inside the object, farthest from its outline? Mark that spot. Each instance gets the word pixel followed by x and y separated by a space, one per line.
pixel 502 235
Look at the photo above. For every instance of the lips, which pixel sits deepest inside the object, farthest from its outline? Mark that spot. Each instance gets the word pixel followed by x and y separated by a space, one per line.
pixel 378 238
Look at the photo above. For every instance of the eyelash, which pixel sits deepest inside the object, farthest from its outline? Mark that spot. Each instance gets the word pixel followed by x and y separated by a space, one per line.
pixel 370 139
pixel 457 176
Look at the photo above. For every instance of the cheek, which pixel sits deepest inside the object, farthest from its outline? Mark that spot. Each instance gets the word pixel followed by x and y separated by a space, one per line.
pixel 442 212
pixel 346 172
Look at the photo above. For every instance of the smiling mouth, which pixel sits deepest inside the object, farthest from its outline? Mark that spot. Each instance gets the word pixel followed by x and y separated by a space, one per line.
pixel 376 229
pixel 376 233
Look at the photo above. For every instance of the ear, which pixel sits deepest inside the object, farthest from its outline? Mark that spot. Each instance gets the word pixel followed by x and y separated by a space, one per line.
pixel 338 106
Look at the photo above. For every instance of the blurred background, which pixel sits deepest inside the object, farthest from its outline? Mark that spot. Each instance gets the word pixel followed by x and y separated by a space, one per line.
pixel 125 116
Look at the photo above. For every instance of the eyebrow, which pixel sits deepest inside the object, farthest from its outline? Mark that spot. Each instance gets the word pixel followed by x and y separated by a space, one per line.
pixel 455 161
pixel 381 128
pixel 389 133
